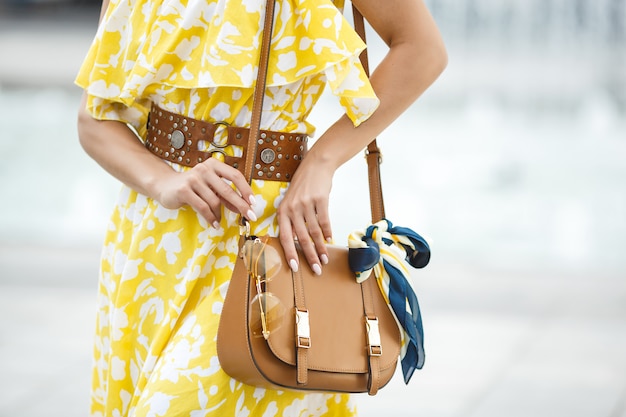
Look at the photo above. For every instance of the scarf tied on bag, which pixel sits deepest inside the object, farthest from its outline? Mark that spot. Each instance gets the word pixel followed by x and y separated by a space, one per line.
pixel 383 248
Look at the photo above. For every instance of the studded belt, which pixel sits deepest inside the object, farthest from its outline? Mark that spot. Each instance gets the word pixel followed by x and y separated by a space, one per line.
pixel 175 138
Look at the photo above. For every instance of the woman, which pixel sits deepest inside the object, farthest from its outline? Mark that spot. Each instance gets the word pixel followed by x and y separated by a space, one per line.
pixel 172 240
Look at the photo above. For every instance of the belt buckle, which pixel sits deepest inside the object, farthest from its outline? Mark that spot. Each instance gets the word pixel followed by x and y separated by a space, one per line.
pixel 216 147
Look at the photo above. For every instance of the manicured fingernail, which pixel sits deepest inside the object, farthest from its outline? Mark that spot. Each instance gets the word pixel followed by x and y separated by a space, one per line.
pixel 324 259
pixel 293 265
pixel 251 216
pixel 317 269
pixel 329 240
pixel 216 224
pixel 252 200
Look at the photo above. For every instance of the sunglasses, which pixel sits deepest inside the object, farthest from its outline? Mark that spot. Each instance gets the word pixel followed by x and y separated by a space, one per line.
pixel 266 313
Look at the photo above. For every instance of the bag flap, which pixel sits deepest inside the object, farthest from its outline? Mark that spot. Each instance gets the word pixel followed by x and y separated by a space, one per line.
pixel 337 320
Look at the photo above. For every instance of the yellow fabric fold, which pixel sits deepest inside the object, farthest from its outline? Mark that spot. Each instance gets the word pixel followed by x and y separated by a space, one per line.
pixel 145 48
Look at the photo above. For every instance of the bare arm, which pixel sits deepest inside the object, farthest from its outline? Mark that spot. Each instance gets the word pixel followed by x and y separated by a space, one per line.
pixel 103 9
pixel 118 150
pixel 415 59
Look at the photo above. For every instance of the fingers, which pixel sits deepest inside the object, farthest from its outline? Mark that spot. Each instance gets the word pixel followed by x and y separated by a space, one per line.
pixel 239 199
pixel 206 188
pixel 308 247
pixel 237 178
pixel 315 240
pixel 287 241
pixel 210 210
pixel 323 220
pixel 311 228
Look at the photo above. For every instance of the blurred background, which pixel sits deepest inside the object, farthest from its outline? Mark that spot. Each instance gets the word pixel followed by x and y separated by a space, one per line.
pixel 512 165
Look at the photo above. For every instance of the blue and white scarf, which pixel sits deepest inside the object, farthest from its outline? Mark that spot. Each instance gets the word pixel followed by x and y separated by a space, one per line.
pixel 386 249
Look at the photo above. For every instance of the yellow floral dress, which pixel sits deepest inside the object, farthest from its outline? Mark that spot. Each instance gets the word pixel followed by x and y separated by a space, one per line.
pixel 164 273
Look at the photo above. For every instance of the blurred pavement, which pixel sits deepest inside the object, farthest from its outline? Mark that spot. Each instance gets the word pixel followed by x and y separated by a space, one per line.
pixel 500 342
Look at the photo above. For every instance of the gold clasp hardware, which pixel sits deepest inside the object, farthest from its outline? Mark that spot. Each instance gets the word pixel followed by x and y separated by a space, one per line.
pixel 374 344
pixel 303 330
pixel 244 227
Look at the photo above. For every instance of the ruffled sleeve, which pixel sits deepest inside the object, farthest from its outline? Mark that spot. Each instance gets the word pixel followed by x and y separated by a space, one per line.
pixel 144 48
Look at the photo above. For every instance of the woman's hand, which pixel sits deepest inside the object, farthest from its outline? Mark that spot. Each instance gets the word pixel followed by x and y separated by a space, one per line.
pixel 415 59
pixel 303 213
pixel 204 189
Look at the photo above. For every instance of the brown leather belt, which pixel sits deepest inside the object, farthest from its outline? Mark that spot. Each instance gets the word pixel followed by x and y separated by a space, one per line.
pixel 175 138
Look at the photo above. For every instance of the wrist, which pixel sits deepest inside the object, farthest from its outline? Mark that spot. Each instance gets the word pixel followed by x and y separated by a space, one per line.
pixel 154 180
pixel 323 159
pixel 340 143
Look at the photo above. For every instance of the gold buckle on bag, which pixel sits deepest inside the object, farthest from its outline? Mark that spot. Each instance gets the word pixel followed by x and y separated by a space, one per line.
pixel 303 330
pixel 374 344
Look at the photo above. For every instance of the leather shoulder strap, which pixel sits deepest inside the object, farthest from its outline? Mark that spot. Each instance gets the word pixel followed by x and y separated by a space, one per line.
pixel 372 154
pixel 259 89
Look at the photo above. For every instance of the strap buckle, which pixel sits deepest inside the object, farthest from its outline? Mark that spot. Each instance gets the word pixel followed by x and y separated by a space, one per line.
pixel 380 154
pixel 303 330
pixel 374 345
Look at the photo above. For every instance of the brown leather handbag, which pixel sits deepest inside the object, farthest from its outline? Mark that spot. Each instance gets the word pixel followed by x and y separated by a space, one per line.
pixel 302 331
pixel 280 329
